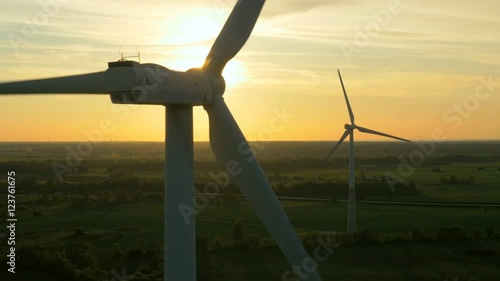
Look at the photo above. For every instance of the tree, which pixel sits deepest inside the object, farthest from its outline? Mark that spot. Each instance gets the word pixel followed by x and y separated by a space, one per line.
pixel 120 235
pixel 81 254
pixel 476 233
pixel 453 180
pixel 88 274
pixel 472 179
pixel 417 234
pixel 59 266
pixel 458 232
pixel 238 231
pixel 110 198
pixel 362 175
pixel 116 249
pixel 252 241
pixel 86 259
pixel 367 236
pixel 217 243
pixel 444 234
pixel 122 196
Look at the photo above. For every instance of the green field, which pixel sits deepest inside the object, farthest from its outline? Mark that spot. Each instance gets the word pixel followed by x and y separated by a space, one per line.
pixel 141 224
pixel 146 219
pixel 112 205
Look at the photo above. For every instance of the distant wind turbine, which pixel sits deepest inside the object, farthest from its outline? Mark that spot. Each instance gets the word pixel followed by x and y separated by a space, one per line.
pixel 349 131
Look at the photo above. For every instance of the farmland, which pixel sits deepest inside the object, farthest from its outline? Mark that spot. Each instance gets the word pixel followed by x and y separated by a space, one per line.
pixel 108 207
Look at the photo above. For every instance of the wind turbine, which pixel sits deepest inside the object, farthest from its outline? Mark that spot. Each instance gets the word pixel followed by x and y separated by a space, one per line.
pixel 349 131
pixel 129 82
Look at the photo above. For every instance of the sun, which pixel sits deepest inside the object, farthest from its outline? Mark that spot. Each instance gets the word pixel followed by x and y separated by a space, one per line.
pixel 190 38
pixel 234 72
pixel 194 26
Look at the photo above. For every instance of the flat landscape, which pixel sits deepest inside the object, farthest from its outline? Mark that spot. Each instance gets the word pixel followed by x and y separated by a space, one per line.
pixel 98 215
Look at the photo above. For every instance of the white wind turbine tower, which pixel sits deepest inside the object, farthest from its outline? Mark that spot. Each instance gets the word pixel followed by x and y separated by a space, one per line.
pixel 349 131
pixel 129 82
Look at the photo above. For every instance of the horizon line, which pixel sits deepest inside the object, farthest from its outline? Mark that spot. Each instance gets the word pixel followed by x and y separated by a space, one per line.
pixel 359 141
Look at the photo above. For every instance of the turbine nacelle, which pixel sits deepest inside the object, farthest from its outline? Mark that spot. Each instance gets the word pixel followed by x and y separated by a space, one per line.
pixel 129 82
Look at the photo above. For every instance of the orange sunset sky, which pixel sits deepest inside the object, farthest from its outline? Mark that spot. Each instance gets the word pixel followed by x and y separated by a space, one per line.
pixel 409 66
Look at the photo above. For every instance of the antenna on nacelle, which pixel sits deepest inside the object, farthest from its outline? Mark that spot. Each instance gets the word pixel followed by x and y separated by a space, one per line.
pixel 124 58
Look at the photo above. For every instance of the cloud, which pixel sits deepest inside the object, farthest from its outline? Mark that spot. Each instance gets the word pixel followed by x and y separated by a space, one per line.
pixel 288 7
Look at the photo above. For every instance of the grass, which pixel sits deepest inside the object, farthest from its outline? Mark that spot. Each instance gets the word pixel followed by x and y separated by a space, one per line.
pixel 144 220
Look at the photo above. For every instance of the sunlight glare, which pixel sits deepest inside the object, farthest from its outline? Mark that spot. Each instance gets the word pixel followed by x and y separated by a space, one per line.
pixel 234 72
pixel 197 30
pixel 192 27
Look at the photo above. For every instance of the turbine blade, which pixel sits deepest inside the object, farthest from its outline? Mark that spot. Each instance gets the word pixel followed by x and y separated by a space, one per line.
pixel 351 114
pixel 234 153
pixel 90 83
pixel 346 133
pixel 233 35
pixel 369 131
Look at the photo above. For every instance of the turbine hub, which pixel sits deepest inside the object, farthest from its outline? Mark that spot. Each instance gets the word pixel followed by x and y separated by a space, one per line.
pixel 218 84
pixel 350 126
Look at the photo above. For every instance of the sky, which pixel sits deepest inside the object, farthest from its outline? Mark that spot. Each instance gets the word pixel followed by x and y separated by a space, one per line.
pixel 418 69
